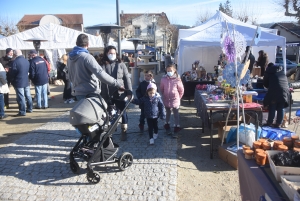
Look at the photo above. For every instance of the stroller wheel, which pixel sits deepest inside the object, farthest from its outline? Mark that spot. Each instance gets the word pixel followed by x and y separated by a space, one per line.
pixel 125 161
pixel 93 177
pixel 74 167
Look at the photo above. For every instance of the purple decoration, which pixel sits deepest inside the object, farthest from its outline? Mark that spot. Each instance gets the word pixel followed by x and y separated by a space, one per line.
pixel 229 49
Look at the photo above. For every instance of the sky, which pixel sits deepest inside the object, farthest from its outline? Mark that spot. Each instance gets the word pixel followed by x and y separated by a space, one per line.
pixel 183 12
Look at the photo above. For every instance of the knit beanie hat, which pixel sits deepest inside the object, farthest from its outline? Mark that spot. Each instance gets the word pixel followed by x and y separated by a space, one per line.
pixel 152 86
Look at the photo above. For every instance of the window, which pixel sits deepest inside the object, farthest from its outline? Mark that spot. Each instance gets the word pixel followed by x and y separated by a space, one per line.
pixel 149 30
pixel 137 31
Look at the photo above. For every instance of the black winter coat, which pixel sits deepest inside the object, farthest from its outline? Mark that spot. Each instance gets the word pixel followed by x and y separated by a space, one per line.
pixel 276 82
pixel 38 71
pixel 18 72
pixel 153 108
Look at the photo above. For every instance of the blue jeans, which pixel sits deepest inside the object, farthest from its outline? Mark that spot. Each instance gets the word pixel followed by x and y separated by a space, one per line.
pixel 273 107
pixel 2 113
pixel 120 105
pixel 21 94
pixel 41 95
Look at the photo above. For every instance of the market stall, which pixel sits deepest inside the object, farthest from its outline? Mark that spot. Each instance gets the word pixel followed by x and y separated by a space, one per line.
pixel 203 42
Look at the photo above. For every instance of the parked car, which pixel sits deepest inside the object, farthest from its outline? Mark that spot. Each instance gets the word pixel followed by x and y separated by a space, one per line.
pixel 289 64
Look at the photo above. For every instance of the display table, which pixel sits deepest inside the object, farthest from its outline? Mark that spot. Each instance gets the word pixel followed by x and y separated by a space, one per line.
pixel 256 181
pixel 189 87
pixel 206 112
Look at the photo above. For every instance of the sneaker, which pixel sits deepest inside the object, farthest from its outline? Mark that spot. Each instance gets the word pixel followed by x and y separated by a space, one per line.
pixel 168 129
pixel 3 117
pixel 71 101
pixel 155 136
pixel 141 126
pixel 151 141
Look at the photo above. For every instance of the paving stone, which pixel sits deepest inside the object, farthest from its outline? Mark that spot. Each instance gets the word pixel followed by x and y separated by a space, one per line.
pixel 40 167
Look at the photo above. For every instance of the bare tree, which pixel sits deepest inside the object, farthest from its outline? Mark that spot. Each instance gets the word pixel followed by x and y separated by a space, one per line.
pixel 203 15
pixel 246 12
pixel 292 9
pixel 7 26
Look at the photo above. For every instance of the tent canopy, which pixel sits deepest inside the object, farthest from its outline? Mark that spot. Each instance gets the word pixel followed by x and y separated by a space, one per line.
pixel 204 42
pixel 58 37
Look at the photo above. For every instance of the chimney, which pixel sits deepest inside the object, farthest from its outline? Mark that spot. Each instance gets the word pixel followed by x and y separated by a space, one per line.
pixel 122 13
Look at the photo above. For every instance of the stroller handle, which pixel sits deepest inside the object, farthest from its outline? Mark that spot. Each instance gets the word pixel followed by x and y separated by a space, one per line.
pixel 125 95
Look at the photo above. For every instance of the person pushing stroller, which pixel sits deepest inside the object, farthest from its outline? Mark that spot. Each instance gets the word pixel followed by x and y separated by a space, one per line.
pixel 154 108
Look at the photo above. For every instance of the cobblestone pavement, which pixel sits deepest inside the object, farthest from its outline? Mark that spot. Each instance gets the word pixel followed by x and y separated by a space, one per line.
pixel 36 166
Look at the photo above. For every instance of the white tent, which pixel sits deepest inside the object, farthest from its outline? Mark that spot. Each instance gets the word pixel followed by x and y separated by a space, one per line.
pixel 58 37
pixel 128 45
pixel 204 42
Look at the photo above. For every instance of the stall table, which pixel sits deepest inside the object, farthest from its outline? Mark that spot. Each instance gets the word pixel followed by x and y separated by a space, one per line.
pixel 189 87
pixel 257 181
pixel 207 118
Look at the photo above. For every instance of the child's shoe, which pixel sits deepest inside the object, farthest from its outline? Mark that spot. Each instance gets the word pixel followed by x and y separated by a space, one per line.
pixel 141 126
pixel 155 135
pixel 168 129
pixel 151 141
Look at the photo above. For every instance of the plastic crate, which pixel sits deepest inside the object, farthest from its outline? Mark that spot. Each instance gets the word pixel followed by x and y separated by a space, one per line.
pixel 285 184
pixel 281 170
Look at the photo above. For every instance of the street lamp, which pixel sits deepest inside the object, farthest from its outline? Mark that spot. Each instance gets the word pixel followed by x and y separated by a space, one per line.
pixel 36 43
pixel 106 30
pixel 134 70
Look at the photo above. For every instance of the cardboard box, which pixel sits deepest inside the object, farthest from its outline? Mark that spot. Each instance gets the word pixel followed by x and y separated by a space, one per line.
pixel 281 170
pixel 256 71
pixel 228 156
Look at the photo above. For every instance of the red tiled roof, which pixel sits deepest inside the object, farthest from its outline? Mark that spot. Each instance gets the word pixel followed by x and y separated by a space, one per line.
pixel 65 18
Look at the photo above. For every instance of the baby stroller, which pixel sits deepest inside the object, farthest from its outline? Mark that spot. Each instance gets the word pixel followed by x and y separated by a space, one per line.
pixel 96 122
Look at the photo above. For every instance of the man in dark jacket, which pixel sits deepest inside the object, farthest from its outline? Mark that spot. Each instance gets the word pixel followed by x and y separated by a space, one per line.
pixel 38 73
pixel 277 97
pixel 19 79
pixel 251 58
pixel 6 63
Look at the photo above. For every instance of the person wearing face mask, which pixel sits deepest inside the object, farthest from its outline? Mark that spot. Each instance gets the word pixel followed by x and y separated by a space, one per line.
pixel 6 62
pixel 84 72
pixel 172 90
pixel 114 66
pixel 140 92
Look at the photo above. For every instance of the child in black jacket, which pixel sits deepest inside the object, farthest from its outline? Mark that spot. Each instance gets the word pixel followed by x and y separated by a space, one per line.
pixel 153 109
pixel 140 92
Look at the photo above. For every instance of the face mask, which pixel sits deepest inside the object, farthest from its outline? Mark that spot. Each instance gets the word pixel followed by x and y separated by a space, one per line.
pixel 170 74
pixel 112 57
pixel 9 56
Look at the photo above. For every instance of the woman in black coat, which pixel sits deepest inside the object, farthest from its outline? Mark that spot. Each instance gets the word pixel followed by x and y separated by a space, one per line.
pixel 277 97
pixel 262 61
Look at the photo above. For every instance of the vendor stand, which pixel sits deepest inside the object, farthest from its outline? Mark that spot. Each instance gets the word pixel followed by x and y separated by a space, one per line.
pixel 257 181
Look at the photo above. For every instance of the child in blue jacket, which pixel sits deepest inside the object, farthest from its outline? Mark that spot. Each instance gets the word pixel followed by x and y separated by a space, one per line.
pixel 153 109
pixel 140 92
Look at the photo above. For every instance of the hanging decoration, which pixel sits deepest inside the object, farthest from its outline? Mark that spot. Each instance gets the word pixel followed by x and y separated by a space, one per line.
pixel 257 35
pixel 228 48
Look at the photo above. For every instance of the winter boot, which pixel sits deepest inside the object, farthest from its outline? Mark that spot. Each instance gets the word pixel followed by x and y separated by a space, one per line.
pixel 168 129
pixel 123 132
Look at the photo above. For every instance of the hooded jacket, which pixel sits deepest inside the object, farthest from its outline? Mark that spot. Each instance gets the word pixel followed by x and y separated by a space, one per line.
pixel 172 90
pixel 276 82
pixel 86 74
pixel 153 107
